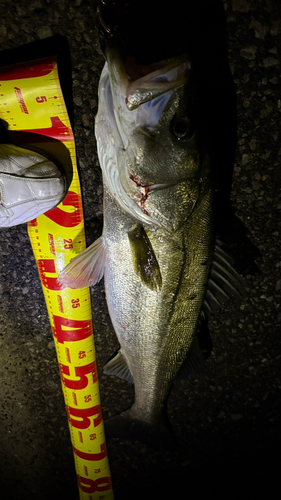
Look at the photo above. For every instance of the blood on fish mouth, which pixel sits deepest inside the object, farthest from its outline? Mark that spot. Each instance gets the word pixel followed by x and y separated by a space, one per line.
pixel 147 189
pixel 144 195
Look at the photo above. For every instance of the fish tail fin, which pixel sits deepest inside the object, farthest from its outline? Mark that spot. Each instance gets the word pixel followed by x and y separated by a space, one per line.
pixel 157 433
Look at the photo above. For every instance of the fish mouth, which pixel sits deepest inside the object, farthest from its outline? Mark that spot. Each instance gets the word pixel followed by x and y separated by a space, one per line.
pixel 156 82
pixel 132 73
pixel 142 83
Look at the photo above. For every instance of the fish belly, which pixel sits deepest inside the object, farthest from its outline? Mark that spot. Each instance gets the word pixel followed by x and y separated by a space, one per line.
pixel 155 328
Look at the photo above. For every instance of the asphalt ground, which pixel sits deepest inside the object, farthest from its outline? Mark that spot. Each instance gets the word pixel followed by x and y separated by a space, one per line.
pixel 227 419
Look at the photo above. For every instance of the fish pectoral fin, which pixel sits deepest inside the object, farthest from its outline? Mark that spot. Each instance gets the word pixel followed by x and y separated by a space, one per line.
pixel 87 268
pixel 224 282
pixel 145 262
pixel 117 365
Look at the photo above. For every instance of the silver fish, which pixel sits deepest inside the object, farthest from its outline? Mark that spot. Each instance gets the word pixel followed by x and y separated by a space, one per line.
pixel 157 253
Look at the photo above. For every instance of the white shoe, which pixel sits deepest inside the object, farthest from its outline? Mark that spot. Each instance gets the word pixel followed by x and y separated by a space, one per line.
pixel 30 184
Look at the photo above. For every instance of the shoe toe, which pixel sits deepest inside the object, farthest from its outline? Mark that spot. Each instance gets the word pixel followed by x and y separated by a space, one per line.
pixel 23 162
pixel 30 190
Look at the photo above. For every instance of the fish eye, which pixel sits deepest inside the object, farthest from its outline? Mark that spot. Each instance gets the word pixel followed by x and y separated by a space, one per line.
pixel 182 128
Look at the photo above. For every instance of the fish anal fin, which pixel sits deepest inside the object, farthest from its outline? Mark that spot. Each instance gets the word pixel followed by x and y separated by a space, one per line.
pixel 87 268
pixel 117 365
pixel 145 262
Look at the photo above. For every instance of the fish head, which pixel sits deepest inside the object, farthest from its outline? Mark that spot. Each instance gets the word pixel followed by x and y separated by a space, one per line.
pixel 162 146
pixel 158 157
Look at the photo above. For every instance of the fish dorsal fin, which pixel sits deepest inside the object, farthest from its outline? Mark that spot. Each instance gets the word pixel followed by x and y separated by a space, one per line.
pixel 224 282
pixel 87 268
pixel 117 365
pixel 145 262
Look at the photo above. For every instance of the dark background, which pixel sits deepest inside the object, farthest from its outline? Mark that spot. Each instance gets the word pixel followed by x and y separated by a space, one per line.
pixel 226 420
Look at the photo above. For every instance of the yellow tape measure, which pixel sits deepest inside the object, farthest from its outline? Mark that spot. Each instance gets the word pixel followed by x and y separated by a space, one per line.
pixel 31 101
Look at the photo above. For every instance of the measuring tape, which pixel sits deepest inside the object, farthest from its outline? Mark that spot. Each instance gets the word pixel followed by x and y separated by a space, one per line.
pixel 31 101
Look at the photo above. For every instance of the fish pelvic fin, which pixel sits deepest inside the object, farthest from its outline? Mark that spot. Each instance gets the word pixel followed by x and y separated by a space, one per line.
pixel 117 365
pixel 145 262
pixel 157 434
pixel 87 268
